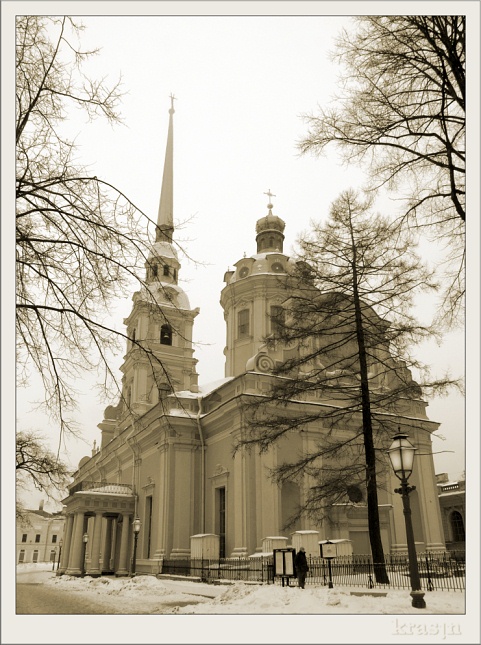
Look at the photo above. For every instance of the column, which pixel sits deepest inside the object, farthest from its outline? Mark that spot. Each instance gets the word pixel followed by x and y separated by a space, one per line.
pixel 76 547
pixel 238 513
pixel 94 569
pixel 107 545
pixel 123 569
pixel 67 538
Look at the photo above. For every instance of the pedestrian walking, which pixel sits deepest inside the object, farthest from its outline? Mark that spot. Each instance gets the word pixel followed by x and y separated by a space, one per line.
pixel 301 567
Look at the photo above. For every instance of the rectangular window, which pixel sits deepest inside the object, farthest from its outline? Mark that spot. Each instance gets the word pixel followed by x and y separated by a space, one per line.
pixel 52 555
pixel 21 556
pixel 148 518
pixel 220 494
pixel 24 537
pixel 54 539
pixel 243 323
pixel 35 556
pixel 37 537
pixel 277 319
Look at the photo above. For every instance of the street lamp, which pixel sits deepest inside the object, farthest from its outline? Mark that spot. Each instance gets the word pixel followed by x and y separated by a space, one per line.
pixel 136 526
pixel 401 454
pixel 85 539
pixel 59 552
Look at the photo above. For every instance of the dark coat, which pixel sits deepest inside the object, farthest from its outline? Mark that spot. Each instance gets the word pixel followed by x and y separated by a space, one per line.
pixel 300 562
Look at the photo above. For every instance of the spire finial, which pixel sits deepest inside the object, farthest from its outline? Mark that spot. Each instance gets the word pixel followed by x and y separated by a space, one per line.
pixel 165 220
pixel 172 99
pixel 269 194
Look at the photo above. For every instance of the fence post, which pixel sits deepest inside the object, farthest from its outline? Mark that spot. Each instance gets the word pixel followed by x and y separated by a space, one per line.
pixel 430 583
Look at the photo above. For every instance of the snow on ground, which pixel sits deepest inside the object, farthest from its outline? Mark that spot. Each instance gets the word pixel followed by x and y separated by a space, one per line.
pixel 146 609
pixel 147 593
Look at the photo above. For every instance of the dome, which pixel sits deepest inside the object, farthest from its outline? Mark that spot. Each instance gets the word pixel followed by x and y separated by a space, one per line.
pixel 270 223
pixel 162 293
pixel 163 250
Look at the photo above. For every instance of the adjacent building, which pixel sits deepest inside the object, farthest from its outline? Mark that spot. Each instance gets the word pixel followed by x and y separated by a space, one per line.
pixel 166 452
pixel 452 500
pixel 39 536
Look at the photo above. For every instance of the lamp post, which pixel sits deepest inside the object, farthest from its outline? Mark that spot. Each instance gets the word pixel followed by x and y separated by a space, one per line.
pixel 401 455
pixel 85 539
pixel 59 552
pixel 136 526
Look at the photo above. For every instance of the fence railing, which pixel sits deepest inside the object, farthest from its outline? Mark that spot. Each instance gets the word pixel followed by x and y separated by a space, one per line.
pixel 260 570
pixel 437 571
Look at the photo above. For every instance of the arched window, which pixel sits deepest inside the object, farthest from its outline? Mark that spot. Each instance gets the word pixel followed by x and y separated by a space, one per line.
pixel 457 527
pixel 166 335
pixel 243 323
pixel 166 269
pixel 154 271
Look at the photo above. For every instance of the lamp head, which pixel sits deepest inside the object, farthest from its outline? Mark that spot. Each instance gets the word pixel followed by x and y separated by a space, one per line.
pixel 136 525
pixel 401 455
pixel 85 537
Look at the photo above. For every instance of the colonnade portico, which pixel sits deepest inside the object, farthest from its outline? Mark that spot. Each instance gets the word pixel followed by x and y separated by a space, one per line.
pixel 105 513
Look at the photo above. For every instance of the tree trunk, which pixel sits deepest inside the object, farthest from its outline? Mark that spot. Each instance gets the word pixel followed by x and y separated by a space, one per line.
pixel 370 455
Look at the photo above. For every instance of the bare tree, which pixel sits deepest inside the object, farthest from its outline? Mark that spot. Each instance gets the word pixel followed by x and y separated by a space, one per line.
pixel 347 329
pixel 402 110
pixel 80 241
pixel 37 465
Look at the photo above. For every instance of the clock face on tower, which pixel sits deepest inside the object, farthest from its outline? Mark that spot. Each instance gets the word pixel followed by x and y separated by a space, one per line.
pixel 277 267
pixel 244 272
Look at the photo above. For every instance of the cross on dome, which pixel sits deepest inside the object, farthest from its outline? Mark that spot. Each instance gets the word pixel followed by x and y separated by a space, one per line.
pixel 269 194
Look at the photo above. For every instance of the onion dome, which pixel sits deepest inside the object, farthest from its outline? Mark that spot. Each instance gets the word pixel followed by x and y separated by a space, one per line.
pixel 270 231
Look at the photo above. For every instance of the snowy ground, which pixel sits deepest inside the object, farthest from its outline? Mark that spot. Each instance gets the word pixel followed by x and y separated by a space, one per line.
pixel 312 606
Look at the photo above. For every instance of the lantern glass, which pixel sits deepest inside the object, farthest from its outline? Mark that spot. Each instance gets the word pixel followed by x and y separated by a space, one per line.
pixel 137 524
pixel 401 454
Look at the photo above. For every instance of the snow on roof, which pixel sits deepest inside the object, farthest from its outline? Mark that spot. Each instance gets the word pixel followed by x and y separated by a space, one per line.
pixel 204 390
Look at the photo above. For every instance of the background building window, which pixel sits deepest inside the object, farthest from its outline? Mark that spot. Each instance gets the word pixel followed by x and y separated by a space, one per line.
pixel 24 537
pixel 166 335
pixel 243 323
pixel 54 539
pixel 37 537
pixel 457 526
pixel 21 556
pixel 35 556
pixel 52 555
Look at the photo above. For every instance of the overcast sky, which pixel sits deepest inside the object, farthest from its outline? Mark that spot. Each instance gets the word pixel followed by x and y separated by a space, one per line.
pixel 242 85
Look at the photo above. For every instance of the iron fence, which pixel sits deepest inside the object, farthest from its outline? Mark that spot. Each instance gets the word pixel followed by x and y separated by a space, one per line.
pixel 437 571
pixel 260 570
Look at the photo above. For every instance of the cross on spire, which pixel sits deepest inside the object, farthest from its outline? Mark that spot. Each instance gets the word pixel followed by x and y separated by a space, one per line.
pixel 172 99
pixel 269 194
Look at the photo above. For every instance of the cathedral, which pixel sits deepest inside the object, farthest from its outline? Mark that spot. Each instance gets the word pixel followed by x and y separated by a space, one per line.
pixel 166 454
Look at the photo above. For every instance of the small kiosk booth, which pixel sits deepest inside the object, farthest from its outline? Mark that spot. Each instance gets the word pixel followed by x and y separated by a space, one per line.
pixel 284 564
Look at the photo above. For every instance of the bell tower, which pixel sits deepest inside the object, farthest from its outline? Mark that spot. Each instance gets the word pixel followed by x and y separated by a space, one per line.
pixel 160 356
pixel 254 295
